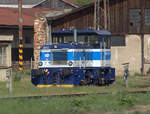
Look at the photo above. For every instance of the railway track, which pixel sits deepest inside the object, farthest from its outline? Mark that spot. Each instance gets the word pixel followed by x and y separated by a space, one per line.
pixel 68 95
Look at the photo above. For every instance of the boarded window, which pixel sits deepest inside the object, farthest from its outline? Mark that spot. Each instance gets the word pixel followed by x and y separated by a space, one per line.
pixel 135 17
pixel 3 57
pixel 118 40
pixel 147 16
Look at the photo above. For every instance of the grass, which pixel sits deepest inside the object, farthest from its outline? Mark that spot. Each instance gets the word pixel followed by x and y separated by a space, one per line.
pixel 91 104
pixel 119 102
pixel 22 86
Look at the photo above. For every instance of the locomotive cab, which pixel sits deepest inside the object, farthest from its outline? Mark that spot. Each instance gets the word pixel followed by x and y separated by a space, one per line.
pixel 75 58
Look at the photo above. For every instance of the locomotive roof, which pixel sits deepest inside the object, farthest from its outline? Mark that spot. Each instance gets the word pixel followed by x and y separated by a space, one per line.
pixel 98 32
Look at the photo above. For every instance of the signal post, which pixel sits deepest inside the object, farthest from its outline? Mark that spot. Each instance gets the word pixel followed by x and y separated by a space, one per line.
pixel 20 50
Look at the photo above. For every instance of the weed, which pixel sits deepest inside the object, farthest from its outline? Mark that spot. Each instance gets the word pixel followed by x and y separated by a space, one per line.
pixel 126 99
pixel 137 74
pixel 77 103
pixel 17 77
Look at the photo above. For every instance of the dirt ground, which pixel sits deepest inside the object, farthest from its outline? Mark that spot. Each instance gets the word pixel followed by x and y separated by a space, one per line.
pixel 139 108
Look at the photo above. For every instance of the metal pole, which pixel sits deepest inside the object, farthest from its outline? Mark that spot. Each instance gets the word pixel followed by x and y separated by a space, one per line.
pixel 142 53
pixel 142 39
pixel 31 63
pixel 20 19
pixel 126 82
pixel 95 14
pixel 20 35
pixel 108 16
pixel 10 82
pixel 75 35
pixel 50 33
pixel 105 14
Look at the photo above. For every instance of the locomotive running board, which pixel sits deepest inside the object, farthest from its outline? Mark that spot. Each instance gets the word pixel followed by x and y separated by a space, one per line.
pixel 41 86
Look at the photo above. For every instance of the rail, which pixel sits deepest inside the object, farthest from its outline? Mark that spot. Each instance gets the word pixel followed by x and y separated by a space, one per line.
pixel 69 95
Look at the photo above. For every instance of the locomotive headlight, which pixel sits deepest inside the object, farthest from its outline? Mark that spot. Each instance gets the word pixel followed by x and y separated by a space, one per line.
pixel 55 46
pixel 40 63
pixel 70 63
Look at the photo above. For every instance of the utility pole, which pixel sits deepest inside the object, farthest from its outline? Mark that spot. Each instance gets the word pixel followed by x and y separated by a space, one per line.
pixel 105 14
pixel 20 20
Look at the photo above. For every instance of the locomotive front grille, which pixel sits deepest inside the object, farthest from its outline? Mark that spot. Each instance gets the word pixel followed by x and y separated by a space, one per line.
pixel 59 57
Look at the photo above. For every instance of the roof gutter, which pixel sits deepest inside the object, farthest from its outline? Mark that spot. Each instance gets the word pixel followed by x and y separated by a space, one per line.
pixel 15 27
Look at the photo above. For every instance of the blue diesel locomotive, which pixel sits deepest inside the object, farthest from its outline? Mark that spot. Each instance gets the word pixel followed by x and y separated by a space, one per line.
pixel 75 57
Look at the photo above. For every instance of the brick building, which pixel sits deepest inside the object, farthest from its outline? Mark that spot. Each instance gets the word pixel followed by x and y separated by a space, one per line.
pixel 9 26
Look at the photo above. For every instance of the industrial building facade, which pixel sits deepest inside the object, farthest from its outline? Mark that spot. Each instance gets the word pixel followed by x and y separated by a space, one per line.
pixel 5 55
pixel 129 25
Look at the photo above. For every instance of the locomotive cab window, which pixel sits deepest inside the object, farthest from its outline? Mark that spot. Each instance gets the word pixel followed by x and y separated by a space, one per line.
pixel 105 43
pixel 62 39
pixel 90 40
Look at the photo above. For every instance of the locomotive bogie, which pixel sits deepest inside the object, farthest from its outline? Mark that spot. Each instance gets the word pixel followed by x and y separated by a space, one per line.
pixel 68 77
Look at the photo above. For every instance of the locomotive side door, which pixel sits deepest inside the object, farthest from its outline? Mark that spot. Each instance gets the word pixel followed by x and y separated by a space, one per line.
pixel 102 50
pixel 105 51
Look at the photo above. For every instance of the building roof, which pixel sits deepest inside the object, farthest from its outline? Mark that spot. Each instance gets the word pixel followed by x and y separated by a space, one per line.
pixel 70 3
pixel 9 16
pixel 71 12
pixel 25 2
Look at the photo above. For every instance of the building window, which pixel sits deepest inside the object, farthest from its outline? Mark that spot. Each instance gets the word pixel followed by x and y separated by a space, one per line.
pixel 118 40
pixel 3 57
pixel 28 40
pixel 135 17
pixel 147 16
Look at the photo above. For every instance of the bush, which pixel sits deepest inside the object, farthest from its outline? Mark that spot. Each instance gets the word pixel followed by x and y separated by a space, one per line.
pixel 126 99
pixel 137 74
pixel 77 103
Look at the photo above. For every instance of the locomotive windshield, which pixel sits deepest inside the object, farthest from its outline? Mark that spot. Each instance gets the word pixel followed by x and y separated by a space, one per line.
pixel 90 40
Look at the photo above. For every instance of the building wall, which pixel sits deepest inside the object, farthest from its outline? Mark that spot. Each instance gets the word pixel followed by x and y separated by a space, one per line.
pixel 27 46
pixel 147 53
pixel 40 36
pixel 119 17
pixel 6 40
pixel 3 74
pixel 14 31
pixel 80 20
pixel 3 70
pixel 131 53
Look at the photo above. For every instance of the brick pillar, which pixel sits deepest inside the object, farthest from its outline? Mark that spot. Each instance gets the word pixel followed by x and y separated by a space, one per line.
pixel 39 38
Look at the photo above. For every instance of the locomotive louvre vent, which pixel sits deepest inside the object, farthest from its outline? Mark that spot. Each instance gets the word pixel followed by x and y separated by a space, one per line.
pixel 59 57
